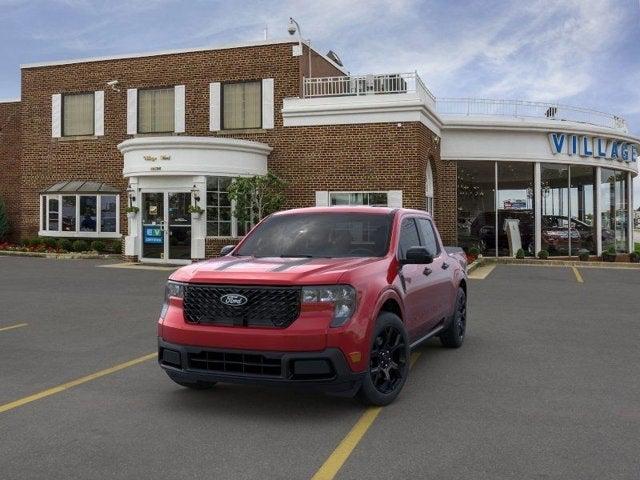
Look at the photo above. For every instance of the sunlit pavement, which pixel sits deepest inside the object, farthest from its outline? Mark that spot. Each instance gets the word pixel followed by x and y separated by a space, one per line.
pixel 546 386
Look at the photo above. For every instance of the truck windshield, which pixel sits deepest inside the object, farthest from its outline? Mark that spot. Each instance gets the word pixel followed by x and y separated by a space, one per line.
pixel 326 235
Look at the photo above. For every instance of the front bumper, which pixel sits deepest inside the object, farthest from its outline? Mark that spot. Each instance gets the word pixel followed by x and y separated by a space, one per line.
pixel 326 370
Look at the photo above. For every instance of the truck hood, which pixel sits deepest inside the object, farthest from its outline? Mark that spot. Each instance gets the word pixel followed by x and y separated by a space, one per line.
pixel 269 270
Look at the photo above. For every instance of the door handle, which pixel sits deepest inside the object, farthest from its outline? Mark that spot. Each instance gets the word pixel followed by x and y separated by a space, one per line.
pixel 427 271
pixel 445 266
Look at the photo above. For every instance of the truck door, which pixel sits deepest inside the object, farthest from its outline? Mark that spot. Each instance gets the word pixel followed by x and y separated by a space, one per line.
pixel 415 283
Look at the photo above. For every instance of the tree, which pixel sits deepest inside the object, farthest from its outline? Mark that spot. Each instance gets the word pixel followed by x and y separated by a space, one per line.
pixel 256 197
pixel 4 221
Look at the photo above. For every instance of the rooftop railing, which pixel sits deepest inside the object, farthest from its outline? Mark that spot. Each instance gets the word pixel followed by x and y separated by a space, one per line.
pixel 399 83
pixel 526 109
pixel 356 85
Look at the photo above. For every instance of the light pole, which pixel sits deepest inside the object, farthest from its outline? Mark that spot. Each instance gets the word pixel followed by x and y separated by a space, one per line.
pixel 292 29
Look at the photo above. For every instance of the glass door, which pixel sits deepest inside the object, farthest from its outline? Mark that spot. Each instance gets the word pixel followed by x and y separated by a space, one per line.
pixel 179 241
pixel 153 222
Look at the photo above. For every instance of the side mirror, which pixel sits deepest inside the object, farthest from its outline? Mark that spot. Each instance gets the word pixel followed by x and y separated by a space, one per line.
pixel 226 250
pixel 417 256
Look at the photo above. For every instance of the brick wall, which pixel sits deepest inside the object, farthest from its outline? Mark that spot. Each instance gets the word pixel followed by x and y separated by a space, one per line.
pixel 9 161
pixel 383 156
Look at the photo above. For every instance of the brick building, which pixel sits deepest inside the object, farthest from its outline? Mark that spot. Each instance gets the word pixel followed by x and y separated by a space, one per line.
pixel 162 131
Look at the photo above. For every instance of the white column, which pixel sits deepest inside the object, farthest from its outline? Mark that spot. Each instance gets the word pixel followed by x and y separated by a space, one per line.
pixel 199 225
pixel 132 244
pixel 537 202
pixel 630 211
pixel 598 210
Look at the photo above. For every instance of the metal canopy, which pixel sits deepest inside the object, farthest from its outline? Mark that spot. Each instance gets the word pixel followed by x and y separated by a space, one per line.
pixel 81 186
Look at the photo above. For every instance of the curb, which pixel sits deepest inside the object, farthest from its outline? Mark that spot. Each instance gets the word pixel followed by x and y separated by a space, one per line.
pixel 59 256
pixel 559 263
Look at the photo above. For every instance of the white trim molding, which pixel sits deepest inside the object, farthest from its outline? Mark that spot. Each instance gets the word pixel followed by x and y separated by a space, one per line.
pixel 179 109
pixel 215 110
pixel 98 113
pixel 132 111
pixel 183 155
pixel 268 107
pixel 56 115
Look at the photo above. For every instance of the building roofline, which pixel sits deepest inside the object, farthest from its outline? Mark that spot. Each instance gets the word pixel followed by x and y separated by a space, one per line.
pixel 175 52
pixel 10 100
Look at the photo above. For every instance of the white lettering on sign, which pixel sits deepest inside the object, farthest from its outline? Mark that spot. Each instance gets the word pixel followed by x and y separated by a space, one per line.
pixel 597 147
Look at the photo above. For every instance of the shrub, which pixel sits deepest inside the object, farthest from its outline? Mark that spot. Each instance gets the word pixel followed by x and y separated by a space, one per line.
pixel 634 257
pixel 583 254
pixel 65 244
pixel 35 241
pixel 98 246
pixel 474 251
pixel 26 242
pixel 543 254
pixel 520 254
pixel 115 246
pixel 50 242
pixel 80 246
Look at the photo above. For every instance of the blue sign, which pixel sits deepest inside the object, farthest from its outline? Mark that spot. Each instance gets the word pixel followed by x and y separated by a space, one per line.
pixel 598 147
pixel 153 235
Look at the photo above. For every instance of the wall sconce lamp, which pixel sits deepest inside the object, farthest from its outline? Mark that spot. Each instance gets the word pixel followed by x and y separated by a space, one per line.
pixel 132 194
pixel 195 192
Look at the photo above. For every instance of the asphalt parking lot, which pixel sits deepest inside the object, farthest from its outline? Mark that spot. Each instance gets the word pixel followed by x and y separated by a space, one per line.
pixel 547 386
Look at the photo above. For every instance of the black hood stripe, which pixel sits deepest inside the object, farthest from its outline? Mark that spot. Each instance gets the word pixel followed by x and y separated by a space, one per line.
pixel 232 263
pixel 285 266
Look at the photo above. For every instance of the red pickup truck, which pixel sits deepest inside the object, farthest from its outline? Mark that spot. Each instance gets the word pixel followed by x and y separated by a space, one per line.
pixel 330 298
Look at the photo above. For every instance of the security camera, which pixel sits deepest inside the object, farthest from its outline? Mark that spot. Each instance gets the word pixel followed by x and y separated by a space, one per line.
pixel 112 84
pixel 292 27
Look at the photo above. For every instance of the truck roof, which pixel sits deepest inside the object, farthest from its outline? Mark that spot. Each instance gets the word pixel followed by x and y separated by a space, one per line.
pixel 350 209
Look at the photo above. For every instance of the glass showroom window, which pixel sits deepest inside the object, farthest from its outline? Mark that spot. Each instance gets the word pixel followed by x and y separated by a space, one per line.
pixel 373 199
pixel 218 207
pixel 477 206
pixel 429 190
pixel 241 105
pixel 78 114
pixel 613 205
pixel 78 215
pixel 582 209
pixel 156 110
pixel 516 219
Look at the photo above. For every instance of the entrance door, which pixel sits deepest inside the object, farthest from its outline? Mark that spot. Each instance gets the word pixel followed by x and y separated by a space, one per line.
pixel 166 227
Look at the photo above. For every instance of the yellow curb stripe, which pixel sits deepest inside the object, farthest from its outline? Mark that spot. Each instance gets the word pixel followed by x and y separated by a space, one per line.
pixel 336 460
pixel 482 272
pixel 13 326
pixel 578 275
pixel 74 383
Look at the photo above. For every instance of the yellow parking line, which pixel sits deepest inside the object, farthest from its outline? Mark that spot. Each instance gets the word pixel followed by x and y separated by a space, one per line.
pixel 74 383
pixel 333 464
pixel 13 326
pixel 578 275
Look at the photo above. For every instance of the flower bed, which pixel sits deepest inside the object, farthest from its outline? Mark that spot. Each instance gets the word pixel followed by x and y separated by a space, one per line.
pixel 48 245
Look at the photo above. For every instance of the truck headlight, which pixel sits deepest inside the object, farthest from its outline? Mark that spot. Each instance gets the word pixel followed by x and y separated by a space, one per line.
pixel 173 289
pixel 343 298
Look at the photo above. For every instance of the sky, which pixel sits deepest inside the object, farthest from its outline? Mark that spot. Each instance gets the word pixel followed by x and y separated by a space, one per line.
pixel 577 52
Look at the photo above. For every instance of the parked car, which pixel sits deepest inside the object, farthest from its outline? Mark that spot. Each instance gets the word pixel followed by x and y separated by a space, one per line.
pixel 329 298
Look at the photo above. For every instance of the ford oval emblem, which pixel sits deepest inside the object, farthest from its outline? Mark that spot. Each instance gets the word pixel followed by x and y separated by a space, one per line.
pixel 233 299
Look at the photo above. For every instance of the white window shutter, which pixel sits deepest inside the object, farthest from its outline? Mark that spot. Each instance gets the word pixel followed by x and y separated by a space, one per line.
pixel 56 115
pixel 98 113
pixel 179 99
pixel 132 111
pixel 267 103
pixel 322 199
pixel 215 111
pixel 394 198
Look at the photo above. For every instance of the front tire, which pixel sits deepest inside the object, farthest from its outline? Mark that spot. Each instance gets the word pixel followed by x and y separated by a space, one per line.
pixel 192 385
pixel 453 335
pixel 388 362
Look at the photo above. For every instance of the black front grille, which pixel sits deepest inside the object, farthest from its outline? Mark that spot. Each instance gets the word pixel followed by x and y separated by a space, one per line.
pixel 235 362
pixel 265 306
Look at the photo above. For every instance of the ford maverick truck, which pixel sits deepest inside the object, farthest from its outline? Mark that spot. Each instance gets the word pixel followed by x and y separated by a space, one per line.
pixel 328 298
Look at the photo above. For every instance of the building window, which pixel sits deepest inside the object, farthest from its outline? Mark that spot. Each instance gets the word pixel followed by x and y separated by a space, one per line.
pixel 429 190
pixel 156 110
pixel 614 209
pixel 241 105
pixel 477 206
pixel 219 217
pixel 373 199
pixel 78 216
pixel 78 114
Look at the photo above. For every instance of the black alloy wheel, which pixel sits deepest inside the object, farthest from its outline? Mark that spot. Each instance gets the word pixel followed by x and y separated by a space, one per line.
pixel 388 360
